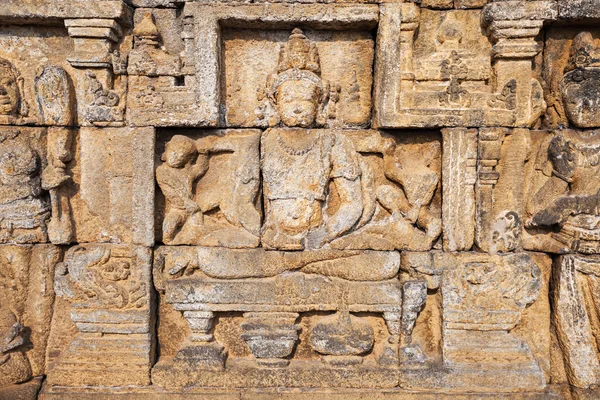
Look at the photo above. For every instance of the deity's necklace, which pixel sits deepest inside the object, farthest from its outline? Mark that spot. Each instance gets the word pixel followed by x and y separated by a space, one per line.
pixel 293 151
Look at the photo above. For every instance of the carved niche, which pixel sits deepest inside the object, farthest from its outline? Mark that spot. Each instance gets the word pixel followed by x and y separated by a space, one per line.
pixel 449 73
pixel 328 237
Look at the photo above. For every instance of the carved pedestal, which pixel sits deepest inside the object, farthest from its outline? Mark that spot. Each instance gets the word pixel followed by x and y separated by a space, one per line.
pixel 271 336
pixel 201 348
pixel 483 298
pixel 271 307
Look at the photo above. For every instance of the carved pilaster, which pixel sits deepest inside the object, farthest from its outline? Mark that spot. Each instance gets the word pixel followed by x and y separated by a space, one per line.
pixel 513 27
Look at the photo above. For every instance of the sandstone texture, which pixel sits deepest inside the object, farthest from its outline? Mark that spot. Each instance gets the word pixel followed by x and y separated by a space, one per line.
pixel 299 199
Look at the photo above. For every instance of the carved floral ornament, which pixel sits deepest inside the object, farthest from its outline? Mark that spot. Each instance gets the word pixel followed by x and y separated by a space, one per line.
pixel 208 199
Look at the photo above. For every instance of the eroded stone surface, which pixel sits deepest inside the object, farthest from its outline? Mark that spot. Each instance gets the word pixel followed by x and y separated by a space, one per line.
pixel 282 199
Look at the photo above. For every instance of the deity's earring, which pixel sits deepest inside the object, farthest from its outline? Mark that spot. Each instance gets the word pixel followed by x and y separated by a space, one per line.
pixel 23 106
pixel 272 115
pixel 325 105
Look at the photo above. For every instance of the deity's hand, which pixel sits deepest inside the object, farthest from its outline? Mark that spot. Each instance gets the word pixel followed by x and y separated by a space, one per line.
pixel 413 214
pixel 204 145
pixel 562 156
pixel 555 213
pixel 191 206
pixel 389 147
pixel 316 238
pixel 13 338
pixel 53 178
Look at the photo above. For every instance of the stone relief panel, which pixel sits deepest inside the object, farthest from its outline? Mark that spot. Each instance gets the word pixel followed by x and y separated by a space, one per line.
pixel 231 94
pixel 115 185
pixel 30 70
pixel 27 296
pixel 108 295
pixel 293 199
pixel 161 71
pixel 448 74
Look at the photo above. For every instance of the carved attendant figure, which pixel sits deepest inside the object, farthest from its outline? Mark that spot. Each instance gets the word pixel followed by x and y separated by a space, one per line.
pixel 182 168
pixel 570 200
pixel 191 191
pixel 23 209
pixel 24 175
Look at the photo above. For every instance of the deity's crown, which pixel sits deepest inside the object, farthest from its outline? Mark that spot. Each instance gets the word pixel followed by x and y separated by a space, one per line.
pixel 299 53
pixel 298 60
pixel 583 54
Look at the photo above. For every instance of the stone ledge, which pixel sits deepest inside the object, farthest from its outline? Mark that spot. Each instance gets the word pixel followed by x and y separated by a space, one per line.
pixel 52 12
pixel 297 394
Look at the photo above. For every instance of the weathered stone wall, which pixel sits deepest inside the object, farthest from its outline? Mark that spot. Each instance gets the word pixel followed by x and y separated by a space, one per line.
pixel 341 199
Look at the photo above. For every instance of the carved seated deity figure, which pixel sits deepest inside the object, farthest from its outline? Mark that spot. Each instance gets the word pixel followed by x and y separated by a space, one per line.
pixel 569 201
pixel 333 222
pixel 204 211
pixel 318 192
pixel 321 194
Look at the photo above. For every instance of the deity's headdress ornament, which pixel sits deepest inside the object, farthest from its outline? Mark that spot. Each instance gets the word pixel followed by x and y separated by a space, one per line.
pixel 584 62
pixel 298 60
pixel 583 53
pixel 299 53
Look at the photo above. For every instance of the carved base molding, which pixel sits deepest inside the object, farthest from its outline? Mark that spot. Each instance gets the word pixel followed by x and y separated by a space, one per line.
pixel 553 393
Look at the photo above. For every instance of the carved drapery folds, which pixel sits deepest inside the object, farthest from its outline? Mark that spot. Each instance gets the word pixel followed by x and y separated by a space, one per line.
pixel 297 198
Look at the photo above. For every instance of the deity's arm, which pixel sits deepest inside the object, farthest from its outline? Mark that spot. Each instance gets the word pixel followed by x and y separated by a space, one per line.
pixel 215 144
pixel 350 210
pixel 171 187
pixel 391 169
pixel 346 178
pixel 552 189
pixel 197 170
pixel 564 206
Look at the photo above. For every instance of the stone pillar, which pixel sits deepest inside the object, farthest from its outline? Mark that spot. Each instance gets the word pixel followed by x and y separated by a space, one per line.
pixel 459 158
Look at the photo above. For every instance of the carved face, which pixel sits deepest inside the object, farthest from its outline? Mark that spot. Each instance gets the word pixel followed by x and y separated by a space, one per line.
pixel 179 151
pixel 581 95
pixel 297 103
pixel 9 90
